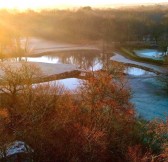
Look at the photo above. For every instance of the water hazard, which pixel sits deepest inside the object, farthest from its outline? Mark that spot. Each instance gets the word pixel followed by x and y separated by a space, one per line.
pixel 148 96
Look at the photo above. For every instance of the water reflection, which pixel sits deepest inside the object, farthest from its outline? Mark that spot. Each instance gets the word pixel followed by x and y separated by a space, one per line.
pixel 137 71
pixel 149 53
pixel 88 60
pixel 148 97
pixel 70 83
pixel 45 59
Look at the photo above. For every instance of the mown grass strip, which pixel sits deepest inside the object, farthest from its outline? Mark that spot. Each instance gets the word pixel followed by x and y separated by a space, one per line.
pixel 130 54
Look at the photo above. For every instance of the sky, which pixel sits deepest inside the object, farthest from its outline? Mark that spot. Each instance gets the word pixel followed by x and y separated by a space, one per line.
pixel 38 4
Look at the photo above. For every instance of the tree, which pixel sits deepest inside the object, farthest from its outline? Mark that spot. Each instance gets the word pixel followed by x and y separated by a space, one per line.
pixel 16 77
pixel 105 105
pixel 21 46
pixel 96 123
pixel 163 46
pixel 5 43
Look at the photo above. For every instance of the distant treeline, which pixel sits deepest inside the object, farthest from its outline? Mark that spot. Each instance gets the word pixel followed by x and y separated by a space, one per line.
pixel 110 25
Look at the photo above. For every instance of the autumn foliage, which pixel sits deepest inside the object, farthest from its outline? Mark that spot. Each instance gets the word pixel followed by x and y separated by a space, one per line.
pixel 94 123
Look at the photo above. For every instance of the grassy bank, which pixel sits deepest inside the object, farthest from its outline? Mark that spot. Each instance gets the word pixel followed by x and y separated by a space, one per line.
pixel 130 54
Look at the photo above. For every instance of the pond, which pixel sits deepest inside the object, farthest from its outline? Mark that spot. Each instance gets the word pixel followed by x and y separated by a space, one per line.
pixel 147 94
pixel 149 98
pixel 70 83
pixel 87 60
pixel 133 71
pixel 150 53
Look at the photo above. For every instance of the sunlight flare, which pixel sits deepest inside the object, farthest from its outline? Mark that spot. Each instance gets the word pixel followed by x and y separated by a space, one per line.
pixel 20 4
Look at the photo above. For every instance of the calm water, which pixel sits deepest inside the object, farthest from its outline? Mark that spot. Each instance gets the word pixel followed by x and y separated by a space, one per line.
pixel 88 60
pixel 70 83
pixel 149 53
pixel 147 94
pixel 149 98
pixel 133 71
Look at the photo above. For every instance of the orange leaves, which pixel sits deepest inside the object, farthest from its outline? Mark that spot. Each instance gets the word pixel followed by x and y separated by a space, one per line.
pixel 158 127
pixel 82 126
pixel 4 118
pixel 136 154
pixel 93 142
pixel 4 113
pixel 164 154
pixel 101 91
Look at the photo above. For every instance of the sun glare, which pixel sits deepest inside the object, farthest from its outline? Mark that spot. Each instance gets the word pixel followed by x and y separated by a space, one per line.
pixel 20 4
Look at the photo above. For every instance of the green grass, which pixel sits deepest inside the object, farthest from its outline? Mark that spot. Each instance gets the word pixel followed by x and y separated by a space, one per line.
pixel 130 54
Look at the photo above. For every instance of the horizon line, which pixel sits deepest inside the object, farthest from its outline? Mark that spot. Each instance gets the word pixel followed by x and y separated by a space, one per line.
pixel 73 7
